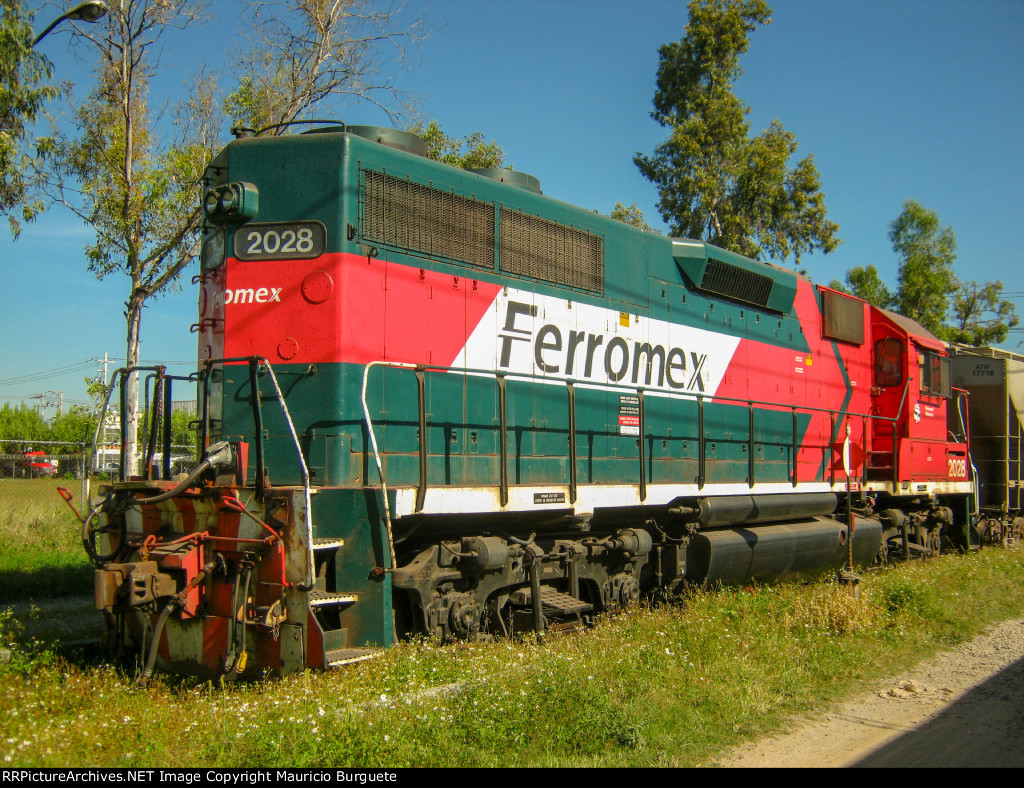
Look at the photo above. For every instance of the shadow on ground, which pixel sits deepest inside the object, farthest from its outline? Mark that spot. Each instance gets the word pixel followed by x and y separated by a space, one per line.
pixel 984 727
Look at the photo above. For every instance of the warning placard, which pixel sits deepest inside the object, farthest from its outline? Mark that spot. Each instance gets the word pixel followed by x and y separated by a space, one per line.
pixel 629 414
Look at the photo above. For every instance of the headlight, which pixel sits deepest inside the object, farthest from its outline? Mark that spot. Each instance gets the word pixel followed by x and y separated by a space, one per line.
pixel 232 202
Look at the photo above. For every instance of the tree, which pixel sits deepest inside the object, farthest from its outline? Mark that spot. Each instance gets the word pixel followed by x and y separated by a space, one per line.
pixel 135 181
pixel 971 303
pixel 24 88
pixel 19 427
pixel 631 215
pixel 136 177
pixel 76 425
pixel 302 53
pixel 867 284
pixel 471 152
pixel 716 182
pixel 928 289
pixel 925 278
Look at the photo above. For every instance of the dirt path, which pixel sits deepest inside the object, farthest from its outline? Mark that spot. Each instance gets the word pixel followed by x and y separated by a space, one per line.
pixel 962 708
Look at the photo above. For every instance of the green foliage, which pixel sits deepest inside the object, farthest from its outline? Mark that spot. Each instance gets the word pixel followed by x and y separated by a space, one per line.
pixel 76 425
pixel 715 181
pixel 867 284
pixel 925 279
pixel 24 89
pixel 631 215
pixel 19 427
pixel 904 594
pixel 928 289
pixel 470 152
pixel 980 316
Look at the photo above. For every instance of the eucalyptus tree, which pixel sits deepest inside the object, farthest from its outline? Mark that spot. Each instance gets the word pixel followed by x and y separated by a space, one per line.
pixel 308 54
pixel 925 277
pixel 133 179
pixel 630 214
pixel 865 282
pixel 981 316
pixel 470 152
pixel 134 173
pixel 715 181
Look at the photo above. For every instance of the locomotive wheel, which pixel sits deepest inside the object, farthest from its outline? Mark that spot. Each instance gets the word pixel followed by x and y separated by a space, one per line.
pixel 934 541
pixel 994 533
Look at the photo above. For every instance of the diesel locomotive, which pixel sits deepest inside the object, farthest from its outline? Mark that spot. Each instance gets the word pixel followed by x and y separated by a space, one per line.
pixel 436 401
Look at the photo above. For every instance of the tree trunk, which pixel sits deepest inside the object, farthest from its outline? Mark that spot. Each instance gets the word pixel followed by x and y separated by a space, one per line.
pixel 130 418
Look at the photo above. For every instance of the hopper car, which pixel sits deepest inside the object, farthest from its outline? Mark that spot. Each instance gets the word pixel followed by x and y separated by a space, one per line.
pixel 438 402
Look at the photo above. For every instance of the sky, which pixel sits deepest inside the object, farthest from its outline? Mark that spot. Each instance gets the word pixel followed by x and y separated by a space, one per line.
pixel 895 99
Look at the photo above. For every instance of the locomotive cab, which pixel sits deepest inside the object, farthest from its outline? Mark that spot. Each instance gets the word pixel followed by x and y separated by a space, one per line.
pixel 911 386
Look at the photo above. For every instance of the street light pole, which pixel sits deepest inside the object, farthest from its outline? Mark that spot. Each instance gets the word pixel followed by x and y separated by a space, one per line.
pixel 89 11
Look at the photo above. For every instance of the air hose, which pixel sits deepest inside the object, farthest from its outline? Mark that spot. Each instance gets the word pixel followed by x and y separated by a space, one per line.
pixel 218 455
pixel 176 603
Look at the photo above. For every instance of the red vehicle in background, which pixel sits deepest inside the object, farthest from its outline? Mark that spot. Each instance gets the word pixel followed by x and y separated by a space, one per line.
pixel 38 466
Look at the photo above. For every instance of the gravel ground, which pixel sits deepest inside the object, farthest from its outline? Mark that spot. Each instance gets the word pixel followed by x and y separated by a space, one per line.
pixel 963 708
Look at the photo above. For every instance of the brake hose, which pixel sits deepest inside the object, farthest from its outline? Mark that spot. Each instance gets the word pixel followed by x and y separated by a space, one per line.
pixel 218 455
pixel 176 603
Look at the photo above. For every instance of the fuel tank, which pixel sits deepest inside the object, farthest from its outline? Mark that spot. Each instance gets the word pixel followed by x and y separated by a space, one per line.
pixel 780 550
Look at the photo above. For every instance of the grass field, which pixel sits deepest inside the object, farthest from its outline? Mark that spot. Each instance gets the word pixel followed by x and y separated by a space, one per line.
pixel 670 685
pixel 41 552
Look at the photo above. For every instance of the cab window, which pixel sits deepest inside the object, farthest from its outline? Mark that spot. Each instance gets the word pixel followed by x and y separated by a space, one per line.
pixel 934 374
pixel 888 362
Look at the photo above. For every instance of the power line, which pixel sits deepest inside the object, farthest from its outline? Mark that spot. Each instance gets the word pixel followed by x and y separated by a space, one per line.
pixel 56 372
pixel 33 377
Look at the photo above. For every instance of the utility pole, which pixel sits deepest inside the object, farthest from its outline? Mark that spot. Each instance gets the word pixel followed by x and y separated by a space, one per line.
pixel 109 431
pixel 49 399
pixel 105 361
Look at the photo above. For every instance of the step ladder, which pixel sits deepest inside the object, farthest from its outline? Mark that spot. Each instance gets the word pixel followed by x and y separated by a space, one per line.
pixel 349 656
pixel 553 602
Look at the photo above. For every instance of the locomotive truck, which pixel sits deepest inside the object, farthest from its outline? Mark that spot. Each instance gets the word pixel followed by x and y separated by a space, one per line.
pixel 439 402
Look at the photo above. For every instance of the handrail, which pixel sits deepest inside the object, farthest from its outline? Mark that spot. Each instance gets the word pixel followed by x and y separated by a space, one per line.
pixel 376 451
pixel 571 384
pixel 254 362
pixel 123 373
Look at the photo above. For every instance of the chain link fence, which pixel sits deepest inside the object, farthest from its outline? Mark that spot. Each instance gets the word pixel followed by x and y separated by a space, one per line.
pixel 31 477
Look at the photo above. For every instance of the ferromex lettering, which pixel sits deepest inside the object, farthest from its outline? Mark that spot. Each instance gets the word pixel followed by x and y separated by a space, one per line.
pixel 593 353
pixel 251 295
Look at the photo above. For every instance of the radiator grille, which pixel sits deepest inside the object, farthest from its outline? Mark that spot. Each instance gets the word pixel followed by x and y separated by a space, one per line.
pixel 842 317
pixel 737 283
pixel 409 215
pixel 535 247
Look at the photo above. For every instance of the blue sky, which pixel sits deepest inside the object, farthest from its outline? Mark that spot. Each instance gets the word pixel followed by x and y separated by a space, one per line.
pixel 896 100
